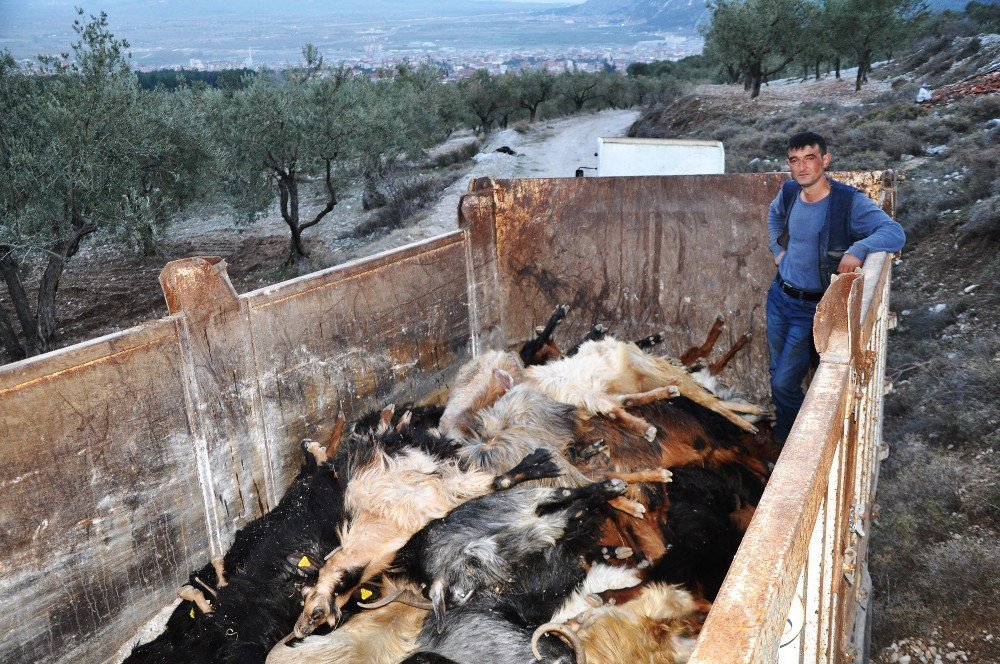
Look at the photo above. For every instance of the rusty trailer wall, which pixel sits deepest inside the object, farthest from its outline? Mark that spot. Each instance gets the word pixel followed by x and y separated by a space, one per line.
pixel 129 460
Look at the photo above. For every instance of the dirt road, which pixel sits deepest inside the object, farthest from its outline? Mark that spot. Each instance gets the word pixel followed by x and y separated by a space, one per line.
pixel 547 149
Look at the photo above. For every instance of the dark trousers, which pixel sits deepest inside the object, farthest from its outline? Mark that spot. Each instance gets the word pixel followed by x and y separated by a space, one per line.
pixel 790 343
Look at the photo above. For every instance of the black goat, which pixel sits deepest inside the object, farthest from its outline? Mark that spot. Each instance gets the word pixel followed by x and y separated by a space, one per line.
pixel 500 565
pixel 268 563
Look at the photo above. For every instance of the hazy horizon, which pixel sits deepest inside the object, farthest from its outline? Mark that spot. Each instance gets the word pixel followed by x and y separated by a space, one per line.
pixel 214 33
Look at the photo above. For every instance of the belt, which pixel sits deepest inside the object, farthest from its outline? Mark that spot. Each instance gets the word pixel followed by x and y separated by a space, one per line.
pixel 808 296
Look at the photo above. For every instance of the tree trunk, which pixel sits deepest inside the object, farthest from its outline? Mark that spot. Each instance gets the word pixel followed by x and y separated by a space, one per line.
pixel 532 113
pixel 59 255
pixel 757 77
pixel 817 68
pixel 18 297
pixel 836 65
pixel 296 249
pixel 8 338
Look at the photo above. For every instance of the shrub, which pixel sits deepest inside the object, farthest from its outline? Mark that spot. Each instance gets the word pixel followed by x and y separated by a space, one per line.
pixel 984 220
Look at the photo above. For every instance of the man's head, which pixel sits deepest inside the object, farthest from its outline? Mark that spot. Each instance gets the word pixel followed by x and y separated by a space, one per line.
pixel 808 158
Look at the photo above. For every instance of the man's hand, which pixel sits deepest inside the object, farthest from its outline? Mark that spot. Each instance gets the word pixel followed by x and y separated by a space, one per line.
pixel 777 259
pixel 848 263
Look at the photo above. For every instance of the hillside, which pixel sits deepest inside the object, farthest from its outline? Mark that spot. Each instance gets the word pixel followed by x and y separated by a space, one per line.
pixel 935 547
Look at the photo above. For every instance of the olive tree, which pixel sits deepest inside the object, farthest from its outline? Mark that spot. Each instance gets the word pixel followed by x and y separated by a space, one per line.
pixel 84 153
pixel 275 135
pixel 757 38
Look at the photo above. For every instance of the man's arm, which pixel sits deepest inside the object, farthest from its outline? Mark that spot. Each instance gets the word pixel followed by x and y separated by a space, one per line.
pixel 775 224
pixel 877 230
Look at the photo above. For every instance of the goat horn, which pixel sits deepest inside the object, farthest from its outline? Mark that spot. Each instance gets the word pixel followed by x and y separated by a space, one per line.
pixel 568 635
pixel 436 594
pixel 404 420
pixel 209 589
pixel 385 418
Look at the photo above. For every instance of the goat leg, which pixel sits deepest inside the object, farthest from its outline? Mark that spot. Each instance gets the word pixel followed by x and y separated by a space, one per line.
pixel 335 435
pixel 633 423
pixel 588 452
pixel 537 465
pixel 192 594
pixel 631 507
pixel 532 351
pixel 652 340
pixel 643 398
pixel 317 451
pixel 746 408
pixel 596 333
pixel 698 352
pixel 659 476
pixel 590 496
pixel 715 367
pixel 220 572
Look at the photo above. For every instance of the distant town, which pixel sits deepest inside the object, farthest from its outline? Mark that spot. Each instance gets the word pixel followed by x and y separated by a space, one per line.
pixel 455 62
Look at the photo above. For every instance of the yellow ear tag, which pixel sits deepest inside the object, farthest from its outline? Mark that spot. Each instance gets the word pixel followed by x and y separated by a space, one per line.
pixel 365 594
pixel 192 612
pixel 304 562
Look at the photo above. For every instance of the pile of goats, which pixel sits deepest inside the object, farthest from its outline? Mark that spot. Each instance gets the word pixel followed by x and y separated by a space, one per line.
pixel 562 507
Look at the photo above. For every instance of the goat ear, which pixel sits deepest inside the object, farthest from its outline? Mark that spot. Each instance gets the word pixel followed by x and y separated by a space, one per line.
pixel 436 595
pixel 505 379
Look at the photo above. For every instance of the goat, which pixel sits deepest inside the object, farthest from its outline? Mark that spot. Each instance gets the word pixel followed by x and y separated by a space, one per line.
pixel 498 566
pixel 523 420
pixel 384 633
pixel 253 595
pixel 602 375
pixel 399 479
pixel 657 627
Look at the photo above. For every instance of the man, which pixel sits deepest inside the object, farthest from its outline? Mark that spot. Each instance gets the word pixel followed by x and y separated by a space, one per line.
pixel 817 227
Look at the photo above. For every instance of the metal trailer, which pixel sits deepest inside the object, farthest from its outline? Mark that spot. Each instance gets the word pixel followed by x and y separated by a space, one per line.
pixel 130 459
pixel 659 156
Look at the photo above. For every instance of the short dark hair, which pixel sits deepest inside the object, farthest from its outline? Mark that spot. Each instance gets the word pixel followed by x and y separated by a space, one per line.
pixel 806 139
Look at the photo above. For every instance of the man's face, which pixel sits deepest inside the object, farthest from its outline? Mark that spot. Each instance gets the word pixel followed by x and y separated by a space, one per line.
pixel 807 165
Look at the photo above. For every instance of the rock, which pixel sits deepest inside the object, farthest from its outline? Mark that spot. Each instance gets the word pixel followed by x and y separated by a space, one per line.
pixel 906 157
pixel 905 659
pixel 937 308
pixel 992 124
pixel 755 160
pixel 923 95
pixel 936 150
pixel 969 289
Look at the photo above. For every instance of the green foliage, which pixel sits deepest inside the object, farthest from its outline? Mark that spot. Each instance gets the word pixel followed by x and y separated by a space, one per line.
pixel 754 39
pixel 226 79
pixel 693 69
pixel 85 152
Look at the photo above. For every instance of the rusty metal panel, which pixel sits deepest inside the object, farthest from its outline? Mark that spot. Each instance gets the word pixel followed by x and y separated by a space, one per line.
pixel 827 466
pixel 222 378
pixel 640 255
pixel 100 513
pixel 392 328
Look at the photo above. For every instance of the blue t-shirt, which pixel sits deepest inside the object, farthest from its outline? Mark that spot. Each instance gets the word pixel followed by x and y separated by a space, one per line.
pixel 800 266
